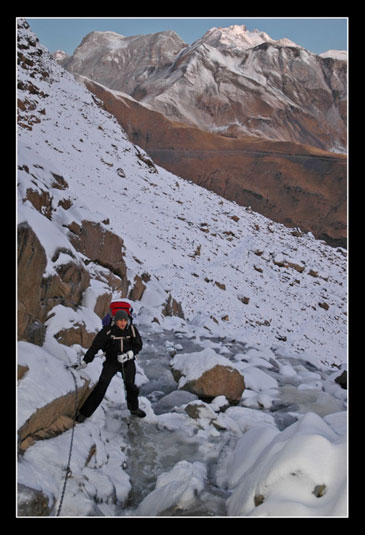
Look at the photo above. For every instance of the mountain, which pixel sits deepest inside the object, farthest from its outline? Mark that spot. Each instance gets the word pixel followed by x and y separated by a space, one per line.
pixel 124 62
pixel 255 107
pixel 294 184
pixel 231 81
pixel 60 55
pixel 210 281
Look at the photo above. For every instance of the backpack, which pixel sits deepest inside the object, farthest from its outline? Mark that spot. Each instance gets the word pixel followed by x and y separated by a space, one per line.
pixel 117 305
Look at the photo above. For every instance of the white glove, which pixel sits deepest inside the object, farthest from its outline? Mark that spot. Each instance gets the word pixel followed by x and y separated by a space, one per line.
pixel 80 366
pixel 125 356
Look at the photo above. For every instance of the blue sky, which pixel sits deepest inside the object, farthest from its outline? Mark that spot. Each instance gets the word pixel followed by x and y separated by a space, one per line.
pixel 315 34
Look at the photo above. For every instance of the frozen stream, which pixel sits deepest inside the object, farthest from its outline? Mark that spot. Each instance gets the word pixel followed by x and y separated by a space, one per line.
pixel 279 388
pixel 153 448
pixel 270 454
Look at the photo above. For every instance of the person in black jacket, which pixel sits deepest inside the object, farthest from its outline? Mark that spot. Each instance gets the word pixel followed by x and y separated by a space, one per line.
pixel 121 342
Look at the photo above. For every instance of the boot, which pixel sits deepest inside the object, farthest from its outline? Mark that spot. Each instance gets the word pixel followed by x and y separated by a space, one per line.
pixel 138 412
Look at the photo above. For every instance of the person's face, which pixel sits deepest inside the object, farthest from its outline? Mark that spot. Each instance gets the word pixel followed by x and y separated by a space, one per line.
pixel 122 324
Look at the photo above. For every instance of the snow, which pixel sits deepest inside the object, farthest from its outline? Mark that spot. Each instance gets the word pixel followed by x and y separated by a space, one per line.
pixel 287 435
pixel 176 488
pixel 335 54
pixel 289 467
pixel 237 36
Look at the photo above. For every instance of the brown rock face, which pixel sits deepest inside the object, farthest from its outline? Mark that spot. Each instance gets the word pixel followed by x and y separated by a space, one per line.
pixel 31 265
pixel 52 419
pixel 293 184
pixel 101 246
pixel 38 294
pixel 218 381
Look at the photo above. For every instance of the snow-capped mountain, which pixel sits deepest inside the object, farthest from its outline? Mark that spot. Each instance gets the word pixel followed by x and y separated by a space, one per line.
pixel 97 217
pixel 231 80
pixel 335 54
pixel 239 37
pixel 60 55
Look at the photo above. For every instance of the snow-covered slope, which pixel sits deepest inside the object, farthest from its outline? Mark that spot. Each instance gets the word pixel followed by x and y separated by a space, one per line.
pixel 236 274
pixel 188 238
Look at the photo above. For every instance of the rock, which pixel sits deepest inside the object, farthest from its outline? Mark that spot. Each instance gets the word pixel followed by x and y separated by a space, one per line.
pixel 173 399
pixel 220 285
pixel 75 335
pixel 52 419
pixel 198 410
pixel 208 375
pixel 22 370
pixel 138 289
pixel 342 380
pixel 319 491
pixel 32 502
pixel 219 381
pixel 173 308
pixel 101 246
pixel 32 262
pixel 66 287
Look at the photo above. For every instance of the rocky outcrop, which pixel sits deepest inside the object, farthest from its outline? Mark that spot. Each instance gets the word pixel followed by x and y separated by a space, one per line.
pixel 52 419
pixel 78 334
pixel 173 308
pixel 293 184
pixel 31 265
pixel 38 293
pixel 66 287
pixel 101 246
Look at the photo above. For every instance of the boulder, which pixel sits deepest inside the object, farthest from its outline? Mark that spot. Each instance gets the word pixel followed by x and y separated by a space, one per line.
pixel 208 375
pixel 219 381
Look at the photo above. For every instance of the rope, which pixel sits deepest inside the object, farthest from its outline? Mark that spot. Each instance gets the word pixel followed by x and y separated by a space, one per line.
pixel 71 445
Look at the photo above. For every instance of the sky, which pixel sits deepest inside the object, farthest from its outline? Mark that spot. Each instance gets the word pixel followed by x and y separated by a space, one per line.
pixel 315 34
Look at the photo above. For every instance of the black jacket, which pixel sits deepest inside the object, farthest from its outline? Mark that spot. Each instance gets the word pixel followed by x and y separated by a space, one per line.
pixel 113 341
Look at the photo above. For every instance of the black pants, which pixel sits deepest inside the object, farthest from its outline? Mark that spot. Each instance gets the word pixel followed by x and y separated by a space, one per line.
pixel 110 368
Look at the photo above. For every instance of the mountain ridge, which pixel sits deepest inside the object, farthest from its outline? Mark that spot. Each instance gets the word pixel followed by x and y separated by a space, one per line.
pixel 224 82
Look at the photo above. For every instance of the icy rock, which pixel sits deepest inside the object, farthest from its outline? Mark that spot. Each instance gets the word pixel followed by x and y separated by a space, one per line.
pixel 174 399
pixel 177 488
